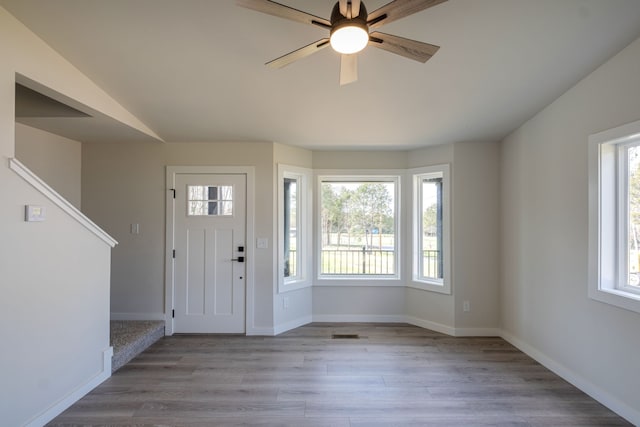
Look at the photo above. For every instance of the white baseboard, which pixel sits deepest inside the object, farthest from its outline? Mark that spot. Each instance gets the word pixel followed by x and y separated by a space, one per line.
pixel 478 332
pixel 296 323
pixel 137 316
pixel 428 324
pixel 77 394
pixel 260 331
pixel 359 318
pixel 629 413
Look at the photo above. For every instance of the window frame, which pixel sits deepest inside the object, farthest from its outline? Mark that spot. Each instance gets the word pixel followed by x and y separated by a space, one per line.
pixel 304 245
pixel 608 184
pixel 393 176
pixel 418 280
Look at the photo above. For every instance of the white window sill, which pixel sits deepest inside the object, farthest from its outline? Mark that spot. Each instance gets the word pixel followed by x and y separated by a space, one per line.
pixel 294 286
pixel 435 286
pixel 359 281
pixel 616 297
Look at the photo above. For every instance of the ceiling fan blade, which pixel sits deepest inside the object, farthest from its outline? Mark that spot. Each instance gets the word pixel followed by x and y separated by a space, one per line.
pixel 344 7
pixel 398 9
pixel 348 69
pixel 412 49
pixel 355 7
pixel 303 52
pixel 282 11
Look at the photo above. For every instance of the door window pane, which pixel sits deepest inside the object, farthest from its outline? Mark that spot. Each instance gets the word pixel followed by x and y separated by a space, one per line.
pixel 209 200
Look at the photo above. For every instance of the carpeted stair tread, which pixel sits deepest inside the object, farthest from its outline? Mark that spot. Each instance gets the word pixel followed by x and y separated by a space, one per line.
pixel 131 337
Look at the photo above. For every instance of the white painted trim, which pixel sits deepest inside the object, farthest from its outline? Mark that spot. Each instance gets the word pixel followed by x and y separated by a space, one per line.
pixel 77 394
pixel 629 413
pixel 604 217
pixel 422 323
pixel 260 331
pixel 428 324
pixel 296 323
pixel 304 176
pixel 477 332
pixel 359 318
pixel 396 176
pixel 249 172
pixel 137 316
pixel 26 174
pixel 415 175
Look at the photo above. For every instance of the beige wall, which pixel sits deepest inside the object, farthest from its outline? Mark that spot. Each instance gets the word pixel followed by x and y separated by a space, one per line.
pixel 299 310
pixel 125 184
pixel 544 303
pixel 476 231
pixel 432 309
pixel 55 159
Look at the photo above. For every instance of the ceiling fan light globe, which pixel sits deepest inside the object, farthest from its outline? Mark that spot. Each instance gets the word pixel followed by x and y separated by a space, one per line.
pixel 349 39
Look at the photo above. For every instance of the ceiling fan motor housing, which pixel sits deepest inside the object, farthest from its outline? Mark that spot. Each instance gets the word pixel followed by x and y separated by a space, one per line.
pixel 338 20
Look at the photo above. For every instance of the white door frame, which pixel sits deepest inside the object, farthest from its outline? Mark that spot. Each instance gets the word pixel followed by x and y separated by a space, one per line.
pixel 169 277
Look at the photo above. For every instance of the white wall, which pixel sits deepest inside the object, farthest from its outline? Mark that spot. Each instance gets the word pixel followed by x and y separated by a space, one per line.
pixel 55 274
pixel 544 304
pixel 55 159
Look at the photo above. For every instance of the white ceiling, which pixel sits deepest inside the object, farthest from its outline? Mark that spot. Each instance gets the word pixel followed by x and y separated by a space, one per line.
pixel 192 70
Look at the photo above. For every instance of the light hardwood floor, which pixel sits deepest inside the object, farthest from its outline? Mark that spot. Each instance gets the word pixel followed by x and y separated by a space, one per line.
pixel 393 375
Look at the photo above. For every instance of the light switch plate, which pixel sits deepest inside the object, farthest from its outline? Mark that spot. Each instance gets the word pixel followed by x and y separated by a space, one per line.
pixel 34 213
pixel 262 243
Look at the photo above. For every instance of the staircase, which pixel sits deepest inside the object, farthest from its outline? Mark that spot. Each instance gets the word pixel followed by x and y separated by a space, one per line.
pixel 129 338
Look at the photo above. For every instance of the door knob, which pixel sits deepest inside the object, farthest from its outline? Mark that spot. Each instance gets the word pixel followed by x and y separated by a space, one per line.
pixel 239 259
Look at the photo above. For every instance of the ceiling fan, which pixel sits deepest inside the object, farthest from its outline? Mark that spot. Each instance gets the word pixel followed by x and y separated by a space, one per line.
pixel 349 31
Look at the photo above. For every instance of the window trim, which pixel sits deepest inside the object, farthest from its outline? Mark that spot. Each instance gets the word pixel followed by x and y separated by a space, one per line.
pixel 605 216
pixel 417 175
pixel 304 235
pixel 395 176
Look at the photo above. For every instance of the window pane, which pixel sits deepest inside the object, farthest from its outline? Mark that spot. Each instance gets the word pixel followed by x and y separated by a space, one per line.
pixel 633 227
pixel 290 227
pixel 431 210
pixel 358 228
pixel 206 200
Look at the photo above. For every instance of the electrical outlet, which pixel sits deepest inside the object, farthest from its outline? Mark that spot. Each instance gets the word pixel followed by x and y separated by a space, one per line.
pixel 466 306
pixel 285 302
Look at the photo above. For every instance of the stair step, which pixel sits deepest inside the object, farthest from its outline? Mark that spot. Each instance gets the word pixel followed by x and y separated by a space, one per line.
pixel 129 338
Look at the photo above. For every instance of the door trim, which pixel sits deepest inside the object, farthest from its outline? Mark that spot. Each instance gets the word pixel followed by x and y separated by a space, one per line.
pixel 169 282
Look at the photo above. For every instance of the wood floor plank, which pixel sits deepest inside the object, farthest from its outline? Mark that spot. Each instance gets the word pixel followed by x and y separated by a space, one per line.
pixel 393 375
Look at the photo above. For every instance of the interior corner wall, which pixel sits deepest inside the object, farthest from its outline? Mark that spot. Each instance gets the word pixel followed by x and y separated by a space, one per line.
pixel 424 308
pixel 55 159
pixel 544 304
pixel 299 307
pixel 476 237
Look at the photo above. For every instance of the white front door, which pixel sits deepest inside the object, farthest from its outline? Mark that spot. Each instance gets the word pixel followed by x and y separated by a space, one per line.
pixel 209 281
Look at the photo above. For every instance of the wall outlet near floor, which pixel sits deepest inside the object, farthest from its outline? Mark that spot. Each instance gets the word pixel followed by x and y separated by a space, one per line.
pixel 466 306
